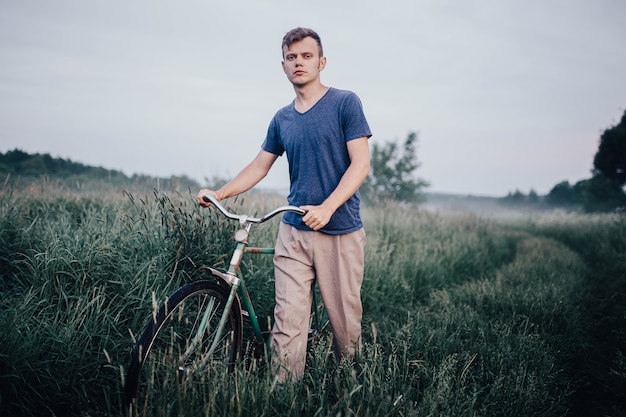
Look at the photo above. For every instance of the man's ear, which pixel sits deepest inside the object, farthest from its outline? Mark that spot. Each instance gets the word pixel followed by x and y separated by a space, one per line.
pixel 322 63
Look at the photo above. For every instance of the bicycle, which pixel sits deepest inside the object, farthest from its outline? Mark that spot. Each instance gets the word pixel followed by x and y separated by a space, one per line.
pixel 198 331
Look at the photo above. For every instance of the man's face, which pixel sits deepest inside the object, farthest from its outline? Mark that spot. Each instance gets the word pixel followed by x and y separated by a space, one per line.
pixel 302 63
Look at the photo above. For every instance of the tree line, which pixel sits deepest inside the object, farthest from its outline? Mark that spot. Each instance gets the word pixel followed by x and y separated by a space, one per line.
pixel 18 168
pixel 604 191
pixel 392 176
pixel 18 162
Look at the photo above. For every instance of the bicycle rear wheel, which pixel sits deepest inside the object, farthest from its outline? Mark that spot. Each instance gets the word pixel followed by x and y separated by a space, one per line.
pixel 171 361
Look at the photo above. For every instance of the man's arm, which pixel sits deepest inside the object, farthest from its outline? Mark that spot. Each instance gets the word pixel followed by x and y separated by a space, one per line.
pixel 250 176
pixel 358 150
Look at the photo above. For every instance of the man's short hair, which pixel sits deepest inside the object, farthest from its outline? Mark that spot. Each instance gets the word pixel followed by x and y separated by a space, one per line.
pixel 298 34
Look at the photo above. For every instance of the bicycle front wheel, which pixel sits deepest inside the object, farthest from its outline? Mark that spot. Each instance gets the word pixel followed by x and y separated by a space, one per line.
pixel 179 349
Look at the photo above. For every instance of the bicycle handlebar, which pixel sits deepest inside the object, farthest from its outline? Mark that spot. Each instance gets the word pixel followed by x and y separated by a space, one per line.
pixel 243 218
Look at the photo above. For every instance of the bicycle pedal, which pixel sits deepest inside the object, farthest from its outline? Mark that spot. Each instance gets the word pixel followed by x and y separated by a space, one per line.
pixel 184 372
pixel 246 316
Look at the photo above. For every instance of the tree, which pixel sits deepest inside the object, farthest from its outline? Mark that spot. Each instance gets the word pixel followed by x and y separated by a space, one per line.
pixel 600 193
pixel 519 198
pixel 597 193
pixel 562 194
pixel 392 175
pixel 604 191
pixel 610 159
pixel 533 197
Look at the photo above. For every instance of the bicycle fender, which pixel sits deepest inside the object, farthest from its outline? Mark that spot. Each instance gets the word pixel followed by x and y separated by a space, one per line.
pixel 227 278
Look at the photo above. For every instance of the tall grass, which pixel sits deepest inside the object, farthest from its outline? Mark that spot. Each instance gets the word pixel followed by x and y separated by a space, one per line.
pixel 600 240
pixel 462 315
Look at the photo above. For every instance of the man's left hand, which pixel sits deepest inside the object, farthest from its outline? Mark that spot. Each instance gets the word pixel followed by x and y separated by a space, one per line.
pixel 317 216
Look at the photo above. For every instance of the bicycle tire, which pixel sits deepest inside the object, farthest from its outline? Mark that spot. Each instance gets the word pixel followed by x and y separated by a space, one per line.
pixel 156 372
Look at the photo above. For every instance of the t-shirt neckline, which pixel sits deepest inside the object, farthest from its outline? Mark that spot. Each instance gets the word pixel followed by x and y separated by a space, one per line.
pixel 293 103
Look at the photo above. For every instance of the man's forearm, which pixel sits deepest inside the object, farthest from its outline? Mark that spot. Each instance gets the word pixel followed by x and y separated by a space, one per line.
pixel 250 176
pixel 353 177
pixel 349 184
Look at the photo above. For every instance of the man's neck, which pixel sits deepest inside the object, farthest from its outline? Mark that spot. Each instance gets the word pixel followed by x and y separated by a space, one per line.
pixel 307 96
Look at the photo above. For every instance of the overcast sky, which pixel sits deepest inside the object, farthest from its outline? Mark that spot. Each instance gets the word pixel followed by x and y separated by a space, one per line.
pixel 504 95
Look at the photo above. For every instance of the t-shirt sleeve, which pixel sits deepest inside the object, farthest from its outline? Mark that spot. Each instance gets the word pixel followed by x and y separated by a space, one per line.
pixel 272 142
pixel 353 119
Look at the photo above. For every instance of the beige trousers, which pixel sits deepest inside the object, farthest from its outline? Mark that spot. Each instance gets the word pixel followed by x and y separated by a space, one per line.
pixel 301 259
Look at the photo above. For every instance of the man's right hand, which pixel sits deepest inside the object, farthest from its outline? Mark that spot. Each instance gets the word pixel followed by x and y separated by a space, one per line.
pixel 204 192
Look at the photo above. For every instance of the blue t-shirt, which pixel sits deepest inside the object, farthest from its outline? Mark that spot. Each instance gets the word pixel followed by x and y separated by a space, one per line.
pixel 315 143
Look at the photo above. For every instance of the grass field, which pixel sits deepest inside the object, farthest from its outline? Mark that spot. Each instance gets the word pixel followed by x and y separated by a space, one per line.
pixel 463 315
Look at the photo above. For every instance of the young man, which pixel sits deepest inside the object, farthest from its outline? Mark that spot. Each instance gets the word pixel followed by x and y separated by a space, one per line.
pixel 324 133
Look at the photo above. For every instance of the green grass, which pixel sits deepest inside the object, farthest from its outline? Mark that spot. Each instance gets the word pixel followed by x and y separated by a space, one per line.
pixel 463 316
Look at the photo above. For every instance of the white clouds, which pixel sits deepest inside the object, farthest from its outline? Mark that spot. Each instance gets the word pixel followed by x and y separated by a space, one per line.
pixel 492 87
